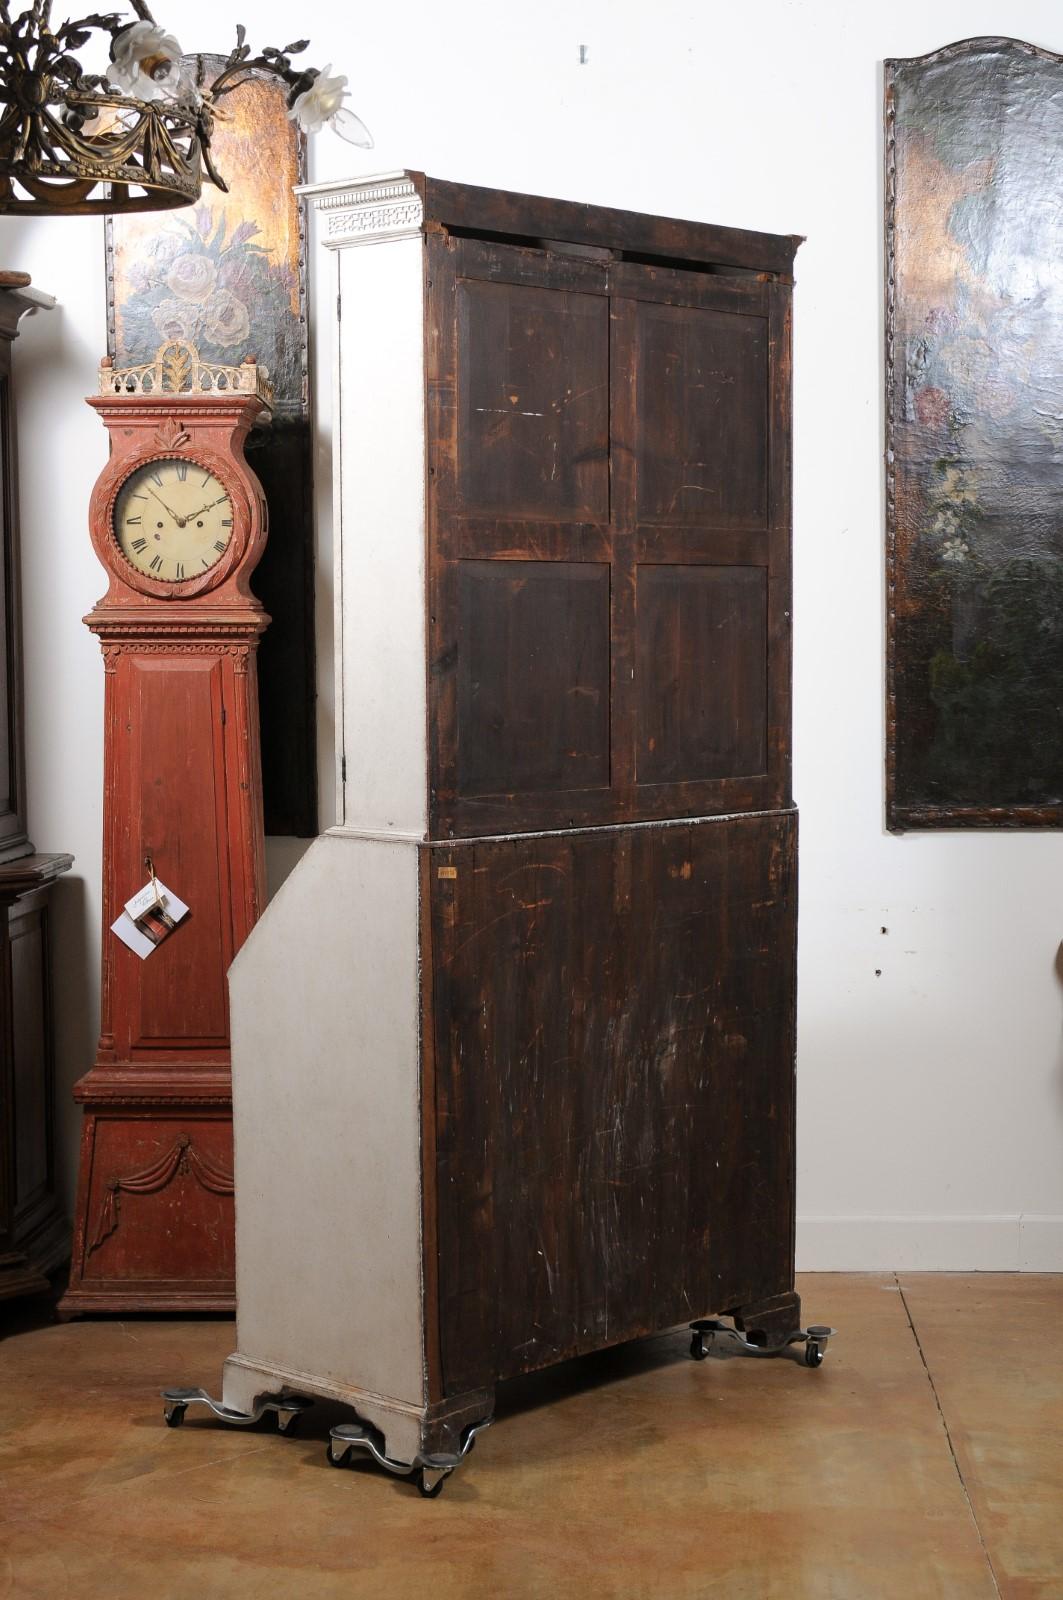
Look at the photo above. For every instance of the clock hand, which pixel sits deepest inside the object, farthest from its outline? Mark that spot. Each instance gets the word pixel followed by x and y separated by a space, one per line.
pixel 208 507
pixel 180 521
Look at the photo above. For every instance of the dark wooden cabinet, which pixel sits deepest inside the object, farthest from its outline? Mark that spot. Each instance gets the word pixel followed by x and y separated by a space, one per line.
pixel 613 1031
pixel 534 995
pixel 34 1234
pixel 609 652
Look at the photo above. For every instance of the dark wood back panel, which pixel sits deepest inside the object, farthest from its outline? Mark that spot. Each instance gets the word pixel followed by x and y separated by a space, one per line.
pixel 533 676
pixel 534 394
pixel 609 540
pixel 701 416
pixel 701 645
pixel 614 1015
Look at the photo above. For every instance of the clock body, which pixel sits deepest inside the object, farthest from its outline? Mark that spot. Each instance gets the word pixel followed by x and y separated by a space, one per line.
pixel 178 521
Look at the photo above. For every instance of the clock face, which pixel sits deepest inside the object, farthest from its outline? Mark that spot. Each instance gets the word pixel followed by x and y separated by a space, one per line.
pixel 173 520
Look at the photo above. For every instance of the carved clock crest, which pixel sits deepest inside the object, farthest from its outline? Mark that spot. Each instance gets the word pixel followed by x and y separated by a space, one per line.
pixel 178 521
pixel 170 434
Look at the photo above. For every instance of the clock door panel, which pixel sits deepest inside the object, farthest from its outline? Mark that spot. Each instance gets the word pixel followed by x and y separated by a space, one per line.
pixel 175 812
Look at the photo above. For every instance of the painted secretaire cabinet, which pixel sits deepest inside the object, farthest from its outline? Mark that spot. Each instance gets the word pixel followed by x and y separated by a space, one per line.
pixel 513 1048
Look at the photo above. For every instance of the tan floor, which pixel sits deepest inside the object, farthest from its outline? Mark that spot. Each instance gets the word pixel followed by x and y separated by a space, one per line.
pixel 924 1459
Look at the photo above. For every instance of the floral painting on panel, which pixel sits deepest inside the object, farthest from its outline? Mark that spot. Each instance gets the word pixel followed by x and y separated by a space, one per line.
pixel 229 274
pixel 225 272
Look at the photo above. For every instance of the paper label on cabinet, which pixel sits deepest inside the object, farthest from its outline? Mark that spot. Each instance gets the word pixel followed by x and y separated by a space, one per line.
pixel 149 918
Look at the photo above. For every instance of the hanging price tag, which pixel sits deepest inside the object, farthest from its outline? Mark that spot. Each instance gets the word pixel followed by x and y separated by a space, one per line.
pixel 149 917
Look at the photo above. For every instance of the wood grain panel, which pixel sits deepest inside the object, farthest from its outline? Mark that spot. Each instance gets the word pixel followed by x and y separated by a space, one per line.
pixel 160 1203
pixel 533 676
pixel 697 425
pixel 30 1054
pixel 702 411
pixel 177 815
pixel 468 206
pixel 702 677
pixel 614 1086
pixel 533 400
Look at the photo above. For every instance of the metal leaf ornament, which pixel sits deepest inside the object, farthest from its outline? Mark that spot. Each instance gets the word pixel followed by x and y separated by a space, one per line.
pixel 138 137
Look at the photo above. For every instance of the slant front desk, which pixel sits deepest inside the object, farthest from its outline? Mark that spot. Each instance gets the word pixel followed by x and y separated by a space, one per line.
pixel 513 1048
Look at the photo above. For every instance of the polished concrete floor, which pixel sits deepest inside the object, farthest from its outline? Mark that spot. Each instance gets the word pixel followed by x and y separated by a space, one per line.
pixel 923 1459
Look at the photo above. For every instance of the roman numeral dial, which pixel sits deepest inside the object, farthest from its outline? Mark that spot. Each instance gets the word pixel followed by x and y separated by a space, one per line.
pixel 173 518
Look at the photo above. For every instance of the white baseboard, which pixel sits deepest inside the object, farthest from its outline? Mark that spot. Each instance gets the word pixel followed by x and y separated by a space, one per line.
pixel 1024 1242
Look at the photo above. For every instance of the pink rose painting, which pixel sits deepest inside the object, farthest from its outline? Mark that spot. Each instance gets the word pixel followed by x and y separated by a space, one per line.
pixel 226 321
pixel 177 319
pixel 217 284
pixel 224 274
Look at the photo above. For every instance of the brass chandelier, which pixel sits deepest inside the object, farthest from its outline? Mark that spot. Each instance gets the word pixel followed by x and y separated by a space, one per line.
pixel 137 136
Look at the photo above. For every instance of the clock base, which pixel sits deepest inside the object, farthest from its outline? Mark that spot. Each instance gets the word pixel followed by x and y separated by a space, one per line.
pixel 155 1218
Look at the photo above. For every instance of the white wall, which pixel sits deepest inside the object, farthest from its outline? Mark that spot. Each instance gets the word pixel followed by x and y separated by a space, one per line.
pixel 931 1097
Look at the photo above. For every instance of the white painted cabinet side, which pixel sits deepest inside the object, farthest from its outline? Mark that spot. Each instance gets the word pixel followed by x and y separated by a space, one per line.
pixel 326 1114
pixel 381 631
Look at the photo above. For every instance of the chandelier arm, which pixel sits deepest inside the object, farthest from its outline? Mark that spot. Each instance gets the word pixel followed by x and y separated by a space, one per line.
pixel 233 78
pixel 24 137
pixel 241 67
pixel 208 162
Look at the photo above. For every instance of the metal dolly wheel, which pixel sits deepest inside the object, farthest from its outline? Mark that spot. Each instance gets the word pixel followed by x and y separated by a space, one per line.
pixel 706 1333
pixel 288 1408
pixel 431 1471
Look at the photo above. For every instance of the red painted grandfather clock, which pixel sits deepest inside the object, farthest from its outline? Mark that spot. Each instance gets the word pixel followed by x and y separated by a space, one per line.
pixel 178 520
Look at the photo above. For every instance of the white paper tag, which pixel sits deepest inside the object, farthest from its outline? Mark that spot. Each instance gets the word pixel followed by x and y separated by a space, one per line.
pixel 149 918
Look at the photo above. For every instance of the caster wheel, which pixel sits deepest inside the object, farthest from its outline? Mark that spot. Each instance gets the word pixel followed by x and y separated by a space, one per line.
pixel 337 1461
pixel 287 1421
pixel 430 1490
pixel 813 1354
pixel 175 1417
pixel 698 1349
